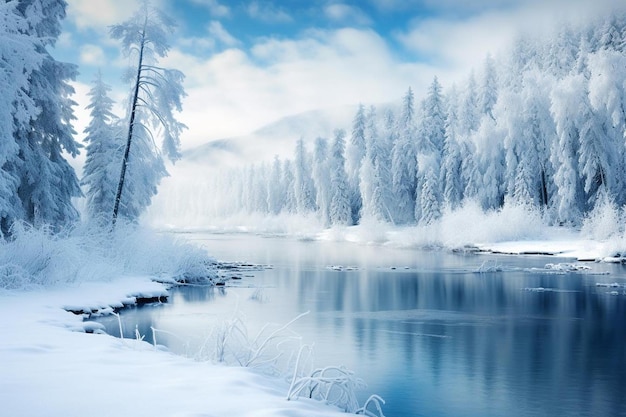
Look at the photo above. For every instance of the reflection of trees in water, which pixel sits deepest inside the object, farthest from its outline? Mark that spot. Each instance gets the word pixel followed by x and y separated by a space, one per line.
pixel 551 351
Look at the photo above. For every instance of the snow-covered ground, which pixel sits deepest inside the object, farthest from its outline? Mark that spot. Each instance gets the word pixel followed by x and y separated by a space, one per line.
pixel 50 367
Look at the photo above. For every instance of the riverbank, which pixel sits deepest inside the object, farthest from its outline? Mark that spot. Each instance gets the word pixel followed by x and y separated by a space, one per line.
pixel 50 367
pixel 512 230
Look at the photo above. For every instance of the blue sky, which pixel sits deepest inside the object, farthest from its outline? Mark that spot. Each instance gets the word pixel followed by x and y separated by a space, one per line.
pixel 250 62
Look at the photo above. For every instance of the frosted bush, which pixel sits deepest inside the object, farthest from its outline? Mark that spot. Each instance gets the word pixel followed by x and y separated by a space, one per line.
pixel 333 385
pixel 271 350
pixel 37 257
pixel 470 224
pixel 603 222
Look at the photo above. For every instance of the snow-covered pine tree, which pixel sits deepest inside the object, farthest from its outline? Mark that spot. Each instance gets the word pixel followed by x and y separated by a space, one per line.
pixel 488 91
pixel 430 143
pixel 355 152
pixel 104 151
pixel 562 52
pixel 451 160
pixel 569 202
pixel 19 57
pixel 303 181
pixel 469 121
pixel 259 177
pixel 156 95
pixel 430 194
pixel 607 96
pixel 289 187
pixel 275 191
pixel 321 178
pixel 404 163
pixel 489 157
pixel 382 145
pixel 369 181
pixel 339 210
pixel 47 183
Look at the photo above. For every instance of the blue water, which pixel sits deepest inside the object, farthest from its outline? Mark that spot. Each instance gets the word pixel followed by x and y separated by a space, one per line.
pixel 426 332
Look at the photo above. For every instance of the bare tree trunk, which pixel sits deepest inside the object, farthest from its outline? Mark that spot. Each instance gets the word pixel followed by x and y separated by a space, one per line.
pixel 131 124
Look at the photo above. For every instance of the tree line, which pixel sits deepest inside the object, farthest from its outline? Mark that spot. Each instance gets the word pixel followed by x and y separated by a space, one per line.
pixel 542 124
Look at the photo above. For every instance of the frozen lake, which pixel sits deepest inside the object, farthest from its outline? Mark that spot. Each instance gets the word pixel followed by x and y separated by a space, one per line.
pixel 422 328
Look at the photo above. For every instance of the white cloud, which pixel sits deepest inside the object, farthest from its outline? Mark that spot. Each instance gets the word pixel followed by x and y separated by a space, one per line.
pixel 197 43
pixel 217 31
pixel 215 7
pixel 232 93
pixel 456 6
pixel 343 13
pixel 459 44
pixel 92 55
pixel 90 14
pixel 268 13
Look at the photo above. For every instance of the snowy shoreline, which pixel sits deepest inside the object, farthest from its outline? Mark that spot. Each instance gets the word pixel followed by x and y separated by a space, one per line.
pixel 51 366
pixel 47 355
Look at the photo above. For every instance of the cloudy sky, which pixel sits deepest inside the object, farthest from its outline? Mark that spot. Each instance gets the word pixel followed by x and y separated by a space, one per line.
pixel 251 62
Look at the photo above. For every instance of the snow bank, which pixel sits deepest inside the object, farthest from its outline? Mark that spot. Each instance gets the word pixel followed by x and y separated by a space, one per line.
pixel 48 369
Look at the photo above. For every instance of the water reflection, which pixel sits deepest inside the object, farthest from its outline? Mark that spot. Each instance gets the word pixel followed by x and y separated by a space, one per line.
pixel 429 335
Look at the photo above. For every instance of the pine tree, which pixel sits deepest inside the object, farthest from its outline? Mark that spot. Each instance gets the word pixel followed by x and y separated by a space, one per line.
pixel 430 201
pixel 355 152
pixel 469 122
pixel 303 181
pixel 451 163
pixel 289 187
pixel 20 54
pixel 275 192
pixel 46 181
pixel 431 138
pixel 569 203
pixel 103 151
pixel 607 97
pixel 369 181
pixel 488 92
pixel 321 178
pixel 404 163
pixel 489 157
pixel 339 211
pixel 157 93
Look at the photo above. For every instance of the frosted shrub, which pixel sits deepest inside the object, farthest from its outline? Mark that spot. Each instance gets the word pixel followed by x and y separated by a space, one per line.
pixel 14 277
pixel 333 385
pixel 270 350
pixel 39 258
pixel 470 224
pixel 603 222
pixel 159 254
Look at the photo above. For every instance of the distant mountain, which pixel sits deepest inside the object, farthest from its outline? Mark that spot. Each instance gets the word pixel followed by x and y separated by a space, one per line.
pixel 278 138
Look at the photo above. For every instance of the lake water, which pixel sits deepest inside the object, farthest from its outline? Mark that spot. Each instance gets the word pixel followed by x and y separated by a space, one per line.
pixel 422 328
